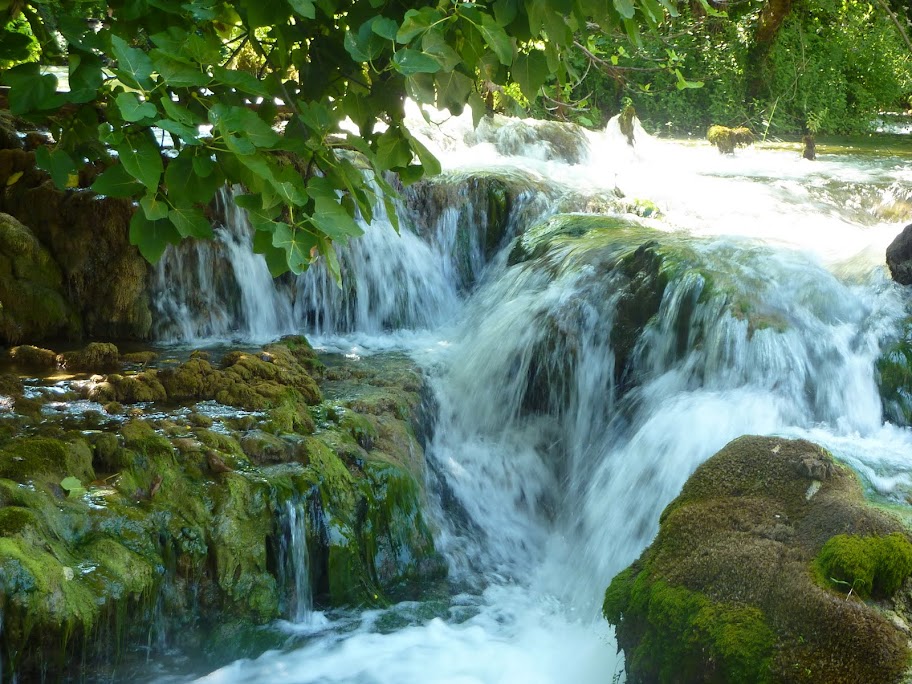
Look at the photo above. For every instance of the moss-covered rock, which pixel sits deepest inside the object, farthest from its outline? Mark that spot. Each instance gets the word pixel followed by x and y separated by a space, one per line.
pixel 727 139
pixel 32 305
pixel 95 356
pixel 186 528
pixel 744 581
pixel 103 277
pixel 33 357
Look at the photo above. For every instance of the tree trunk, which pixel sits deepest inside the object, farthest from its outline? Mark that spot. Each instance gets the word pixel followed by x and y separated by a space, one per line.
pixel 771 19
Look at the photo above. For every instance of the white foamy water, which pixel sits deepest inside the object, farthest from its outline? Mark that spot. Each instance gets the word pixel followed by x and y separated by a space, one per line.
pixel 547 476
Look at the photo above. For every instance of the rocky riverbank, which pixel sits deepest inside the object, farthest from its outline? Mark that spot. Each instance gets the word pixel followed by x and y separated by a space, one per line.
pixel 142 497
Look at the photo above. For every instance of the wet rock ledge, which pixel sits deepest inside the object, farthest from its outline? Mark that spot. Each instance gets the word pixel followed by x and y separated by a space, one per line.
pixel 144 503
pixel 769 567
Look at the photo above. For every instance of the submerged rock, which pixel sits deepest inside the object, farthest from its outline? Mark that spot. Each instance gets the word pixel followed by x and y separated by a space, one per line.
pixel 770 566
pixel 899 257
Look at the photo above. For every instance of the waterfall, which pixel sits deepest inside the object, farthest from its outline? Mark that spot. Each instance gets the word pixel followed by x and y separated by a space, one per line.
pixel 581 380
pixel 294 561
pixel 219 289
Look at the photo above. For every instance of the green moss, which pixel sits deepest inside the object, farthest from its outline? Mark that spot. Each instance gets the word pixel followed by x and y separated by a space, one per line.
pixel 727 139
pixel 95 356
pixel 688 637
pixel 870 566
pixel 48 459
pixel 35 357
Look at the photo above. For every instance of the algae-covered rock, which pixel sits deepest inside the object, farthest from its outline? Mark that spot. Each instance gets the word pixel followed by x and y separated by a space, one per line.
pixel 102 277
pixel 758 574
pixel 162 525
pixel 34 357
pixel 95 356
pixel 32 304
pixel 727 139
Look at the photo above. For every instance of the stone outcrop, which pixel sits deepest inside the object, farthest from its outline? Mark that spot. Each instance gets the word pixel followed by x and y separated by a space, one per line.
pixel 899 257
pixel 770 566
pixel 168 512
pixel 88 275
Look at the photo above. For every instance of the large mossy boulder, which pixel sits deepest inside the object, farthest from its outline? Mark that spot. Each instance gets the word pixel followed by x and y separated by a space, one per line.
pixel 103 276
pixel 770 566
pixel 32 304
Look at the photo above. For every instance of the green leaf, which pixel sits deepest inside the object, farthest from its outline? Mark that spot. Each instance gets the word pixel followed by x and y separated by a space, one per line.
pixel 261 218
pixel 275 257
pixel 297 244
pixel 141 157
pixel 625 8
pixel 190 222
pixel 154 207
pixel 305 8
pixel 434 44
pixel 497 39
pixel 178 112
pixel 15 46
pixel 428 160
pixel 116 182
pixel 409 61
pixel 187 134
pixel 385 28
pixel 393 150
pixel 530 72
pixel 241 81
pixel 132 110
pixel 73 486
pixel 415 22
pixel 86 76
pixel 133 66
pixel 188 187
pixel 204 165
pixel 244 123
pixel 453 90
pixel 30 91
pixel 330 217
pixel 152 237
pixel 479 108
pixel 505 11
pixel 332 261
pixel 58 164
pixel 178 74
pixel 420 87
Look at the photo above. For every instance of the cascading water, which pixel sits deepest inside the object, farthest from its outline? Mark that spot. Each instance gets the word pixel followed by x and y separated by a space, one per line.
pixel 565 422
pixel 294 561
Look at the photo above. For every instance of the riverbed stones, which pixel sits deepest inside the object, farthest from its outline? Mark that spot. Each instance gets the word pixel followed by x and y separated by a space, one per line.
pixel 750 579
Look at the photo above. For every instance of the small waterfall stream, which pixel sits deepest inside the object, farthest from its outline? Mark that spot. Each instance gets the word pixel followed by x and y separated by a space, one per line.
pixel 294 561
pixel 559 438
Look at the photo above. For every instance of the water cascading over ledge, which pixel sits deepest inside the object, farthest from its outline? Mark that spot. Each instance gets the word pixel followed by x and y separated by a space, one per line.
pixel 449 229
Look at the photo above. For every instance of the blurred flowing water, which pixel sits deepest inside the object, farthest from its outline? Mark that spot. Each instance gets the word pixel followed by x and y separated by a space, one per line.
pixel 547 469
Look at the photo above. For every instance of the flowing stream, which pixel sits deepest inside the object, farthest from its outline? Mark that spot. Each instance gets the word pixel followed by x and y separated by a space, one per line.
pixel 547 471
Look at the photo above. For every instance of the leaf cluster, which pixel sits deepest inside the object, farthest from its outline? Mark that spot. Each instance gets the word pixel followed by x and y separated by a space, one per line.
pixel 156 99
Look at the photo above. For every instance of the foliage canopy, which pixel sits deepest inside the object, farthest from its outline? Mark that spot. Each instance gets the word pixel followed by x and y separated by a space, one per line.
pixel 255 92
